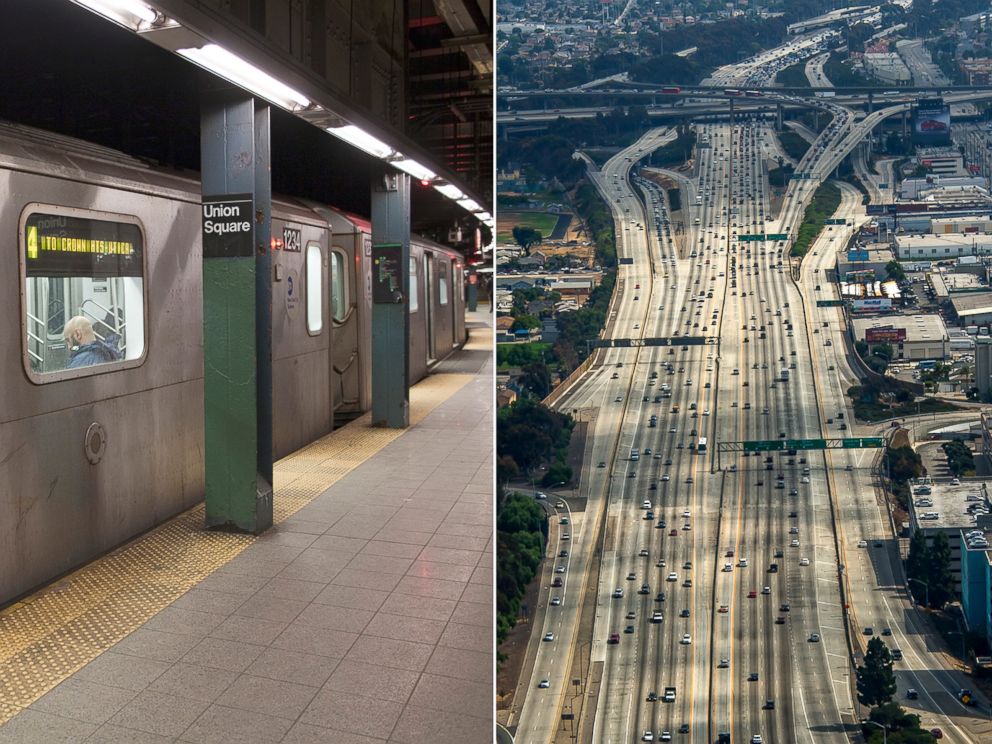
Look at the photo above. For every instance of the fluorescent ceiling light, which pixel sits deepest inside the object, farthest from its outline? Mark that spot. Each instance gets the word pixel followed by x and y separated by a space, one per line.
pixel 483 216
pixel 362 140
pixel 414 168
pixel 469 204
pixel 450 191
pixel 221 62
pixel 127 12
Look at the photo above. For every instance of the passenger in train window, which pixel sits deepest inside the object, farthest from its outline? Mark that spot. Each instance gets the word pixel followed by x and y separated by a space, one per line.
pixel 85 348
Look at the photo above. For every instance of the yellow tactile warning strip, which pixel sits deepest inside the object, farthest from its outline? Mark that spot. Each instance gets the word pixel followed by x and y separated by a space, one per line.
pixel 58 630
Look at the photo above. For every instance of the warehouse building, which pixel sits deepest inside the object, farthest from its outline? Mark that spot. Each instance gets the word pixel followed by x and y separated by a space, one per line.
pixel 972 308
pixel 942 247
pixel 912 337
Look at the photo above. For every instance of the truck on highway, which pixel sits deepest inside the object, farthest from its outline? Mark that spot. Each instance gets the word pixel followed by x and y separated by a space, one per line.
pixel 671 89
pixel 669 696
pixel 784 376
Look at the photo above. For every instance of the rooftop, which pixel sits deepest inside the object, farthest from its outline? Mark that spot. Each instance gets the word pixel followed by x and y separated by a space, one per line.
pixel 972 303
pixel 918 327
pixel 953 504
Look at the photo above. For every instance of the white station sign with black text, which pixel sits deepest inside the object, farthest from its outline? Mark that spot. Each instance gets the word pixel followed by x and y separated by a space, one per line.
pixel 227 226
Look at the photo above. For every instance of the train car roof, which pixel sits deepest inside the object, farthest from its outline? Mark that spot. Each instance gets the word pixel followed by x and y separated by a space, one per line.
pixel 31 150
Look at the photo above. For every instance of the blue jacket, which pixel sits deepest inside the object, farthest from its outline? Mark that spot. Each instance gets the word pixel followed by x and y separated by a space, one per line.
pixel 94 353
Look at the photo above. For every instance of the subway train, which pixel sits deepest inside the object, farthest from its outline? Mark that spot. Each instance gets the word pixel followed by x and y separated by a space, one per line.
pixel 94 454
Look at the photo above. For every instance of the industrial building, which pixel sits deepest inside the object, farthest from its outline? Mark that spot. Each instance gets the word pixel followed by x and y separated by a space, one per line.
pixel 873 257
pixel 940 247
pixel 925 336
pixel 912 187
pixel 944 225
pixel 887 68
pixel 972 308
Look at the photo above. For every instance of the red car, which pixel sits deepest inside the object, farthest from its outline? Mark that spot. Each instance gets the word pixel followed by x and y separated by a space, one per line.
pixel 723 609
pixel 673 533
pixel 614 638
pixel 752 594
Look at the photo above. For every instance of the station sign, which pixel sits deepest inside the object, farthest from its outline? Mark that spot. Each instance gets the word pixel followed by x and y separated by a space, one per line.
pixel 228 221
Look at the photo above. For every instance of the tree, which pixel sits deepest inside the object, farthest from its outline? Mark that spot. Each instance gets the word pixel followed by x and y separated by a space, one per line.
pixel 526 237
pixel 939 569
pixel 917 561
pixel 876 681
pixel 525 322
pixel 557 474
pixel 895 271
pixel 537 379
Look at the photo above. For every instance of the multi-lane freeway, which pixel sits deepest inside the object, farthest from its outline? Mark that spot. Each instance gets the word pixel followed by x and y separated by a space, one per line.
pixel 723 578
pixel 726 595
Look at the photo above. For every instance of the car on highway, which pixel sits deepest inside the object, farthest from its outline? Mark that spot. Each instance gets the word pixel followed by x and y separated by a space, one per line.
pixel 614 639
pixel 549 636
pixel 544 684
pixel 686 639
pixel 814 637
pixel 648 736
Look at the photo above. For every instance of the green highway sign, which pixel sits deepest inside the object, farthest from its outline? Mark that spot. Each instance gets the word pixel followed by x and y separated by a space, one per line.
pixel 752 238
pixel 835 221
pixel 777 236
pixel 804 444
pixel 764 445
pixel 830 303
pixel 863 443
pixel 782 445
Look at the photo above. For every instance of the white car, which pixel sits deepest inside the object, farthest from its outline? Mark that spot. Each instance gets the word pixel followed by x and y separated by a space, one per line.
pixel 804 479
pixel 673 576
pixel 794 543
pixel 555 601
pixel 862 543
pixel 804 561
pixel 686 639
pixel 544 684
pixel 549 636
pixel 648 736
pixel 665 478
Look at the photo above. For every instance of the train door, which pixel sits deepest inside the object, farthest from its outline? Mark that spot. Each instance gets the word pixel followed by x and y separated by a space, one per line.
pixel 429 302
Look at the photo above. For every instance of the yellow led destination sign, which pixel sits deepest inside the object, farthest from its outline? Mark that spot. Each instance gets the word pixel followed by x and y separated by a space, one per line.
pixel 58 245
pixel 86 245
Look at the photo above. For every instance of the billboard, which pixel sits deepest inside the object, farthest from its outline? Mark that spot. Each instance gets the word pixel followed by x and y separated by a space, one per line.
pixel 868 304
pixel 888 335
pixel 931 122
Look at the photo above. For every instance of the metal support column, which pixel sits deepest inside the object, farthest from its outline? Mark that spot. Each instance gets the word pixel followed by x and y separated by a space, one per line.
pixel 905 125
pixel 778 118
pixel 871 102
pixel 390 303
pixel 237 311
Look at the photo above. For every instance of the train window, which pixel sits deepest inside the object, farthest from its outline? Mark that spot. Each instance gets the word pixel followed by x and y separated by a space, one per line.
pixel 413 284
pixel 84 293
pixel 315 289
pixel 442 282
pixel 339 286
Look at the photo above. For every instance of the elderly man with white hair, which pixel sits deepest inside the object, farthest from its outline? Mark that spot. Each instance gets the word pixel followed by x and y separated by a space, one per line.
pixel 85 348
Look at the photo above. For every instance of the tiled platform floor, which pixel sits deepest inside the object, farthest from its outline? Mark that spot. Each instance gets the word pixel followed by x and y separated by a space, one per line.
pixel 365 617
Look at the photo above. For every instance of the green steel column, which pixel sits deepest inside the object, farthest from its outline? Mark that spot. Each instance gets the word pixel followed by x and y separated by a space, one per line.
pixel 236 315
pixel 390 303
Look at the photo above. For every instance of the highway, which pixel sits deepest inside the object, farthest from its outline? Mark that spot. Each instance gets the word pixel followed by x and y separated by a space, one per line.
pixel 740 583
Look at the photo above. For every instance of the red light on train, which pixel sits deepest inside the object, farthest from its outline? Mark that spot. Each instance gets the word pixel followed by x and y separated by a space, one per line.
pixel 277 244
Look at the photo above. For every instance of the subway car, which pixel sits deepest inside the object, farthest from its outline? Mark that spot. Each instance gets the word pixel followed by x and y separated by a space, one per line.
pixel 101 409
